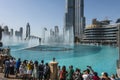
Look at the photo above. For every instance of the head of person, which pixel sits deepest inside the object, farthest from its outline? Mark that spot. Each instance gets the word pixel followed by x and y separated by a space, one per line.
pixel 19 59
pixel 95 74
pixel 105 74
pixel 113 76
pixel 59 67
pixel 42 61
pixel 87 71
pixel 46 64
pixel 76 70
pixel 63 68
pixel 54 59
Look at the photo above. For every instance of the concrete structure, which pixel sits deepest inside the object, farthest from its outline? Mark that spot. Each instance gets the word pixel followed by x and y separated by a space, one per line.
pixel 74 17
pixel 54 70
pixel 101 32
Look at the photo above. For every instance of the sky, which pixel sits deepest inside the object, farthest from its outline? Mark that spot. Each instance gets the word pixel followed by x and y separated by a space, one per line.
pixel 49 13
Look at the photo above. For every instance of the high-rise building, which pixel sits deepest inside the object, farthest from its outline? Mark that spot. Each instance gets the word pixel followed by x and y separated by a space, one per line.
pixel 51 33
pixel 28 31
pixel 6 30
pixel 21 32
pixel 56 31
pixel 11 32
pixel 74 17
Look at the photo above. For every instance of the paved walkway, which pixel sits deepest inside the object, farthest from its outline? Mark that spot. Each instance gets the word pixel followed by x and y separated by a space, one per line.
pixel 11 77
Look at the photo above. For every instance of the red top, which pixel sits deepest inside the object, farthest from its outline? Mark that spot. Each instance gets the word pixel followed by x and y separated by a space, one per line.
pixel 95 78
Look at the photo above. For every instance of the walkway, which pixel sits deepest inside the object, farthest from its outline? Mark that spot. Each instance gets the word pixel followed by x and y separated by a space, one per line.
pixel 11 77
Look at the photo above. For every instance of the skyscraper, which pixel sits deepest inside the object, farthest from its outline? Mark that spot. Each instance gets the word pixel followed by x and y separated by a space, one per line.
pixel 21 32
pixel 74 17
pixel 28 31
pixel 11 32
pixel 56 31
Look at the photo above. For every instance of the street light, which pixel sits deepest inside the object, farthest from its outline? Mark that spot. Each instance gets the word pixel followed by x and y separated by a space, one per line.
pixel 118 42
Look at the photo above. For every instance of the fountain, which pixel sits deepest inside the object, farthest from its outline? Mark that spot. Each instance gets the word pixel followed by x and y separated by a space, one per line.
pixel 63 49
pixel 56 37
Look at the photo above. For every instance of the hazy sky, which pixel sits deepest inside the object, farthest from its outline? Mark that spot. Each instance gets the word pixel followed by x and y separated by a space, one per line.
pixel 48 13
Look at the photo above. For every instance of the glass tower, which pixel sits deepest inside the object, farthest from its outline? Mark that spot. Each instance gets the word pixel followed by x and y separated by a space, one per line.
pixel 74 17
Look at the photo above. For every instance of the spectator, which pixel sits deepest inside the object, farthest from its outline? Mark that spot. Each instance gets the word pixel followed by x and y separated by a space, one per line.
pixel 70 73
pixel 17 66
pixel 77 75
pixel 86 75
pixel 41 70
pixel 95 76
pixel 12 63
pixel 105 76
pixel 7 68
pixel 113 77
pixel 35 71
pixel 29 69
pixel 63 73
pixel 46 72
pixel 59 69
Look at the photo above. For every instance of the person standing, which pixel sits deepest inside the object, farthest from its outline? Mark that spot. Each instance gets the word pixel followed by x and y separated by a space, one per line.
pixel 70 73
pixel 12 63
pixel 95 76
pixel 18 63
pixel 63 73
pixel 77 75
pixel 41 70
pixel 46 72
pixel 35 71
pixel 7 68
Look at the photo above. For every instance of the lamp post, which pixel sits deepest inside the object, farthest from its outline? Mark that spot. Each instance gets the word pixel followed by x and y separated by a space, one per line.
pixel 118 43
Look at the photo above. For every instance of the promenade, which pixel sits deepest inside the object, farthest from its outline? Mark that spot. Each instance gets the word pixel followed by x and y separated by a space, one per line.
pixel 11 77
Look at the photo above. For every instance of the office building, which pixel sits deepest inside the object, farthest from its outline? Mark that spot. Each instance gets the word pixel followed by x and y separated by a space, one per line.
pixel 11 32
pixel 56 31
pixel 28 31
pixel 74 17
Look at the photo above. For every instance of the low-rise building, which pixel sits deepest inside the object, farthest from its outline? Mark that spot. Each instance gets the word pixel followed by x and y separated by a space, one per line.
pixel 101 32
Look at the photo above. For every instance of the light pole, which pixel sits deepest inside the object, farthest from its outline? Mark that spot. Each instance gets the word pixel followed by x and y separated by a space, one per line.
pixel 118 44
pixel 118 41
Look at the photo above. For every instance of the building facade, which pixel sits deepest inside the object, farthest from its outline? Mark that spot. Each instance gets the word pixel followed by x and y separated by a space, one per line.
pixel 101 32
pixel 74 17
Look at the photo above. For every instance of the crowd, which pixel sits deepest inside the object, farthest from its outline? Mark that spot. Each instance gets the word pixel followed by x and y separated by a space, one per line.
pixel 26 69
pixel 35 70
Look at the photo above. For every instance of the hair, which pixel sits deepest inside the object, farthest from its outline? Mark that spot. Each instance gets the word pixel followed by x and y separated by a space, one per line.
pixel 46 64
pixel 95 73
pixel 71 66
pixel 106 74
pixel 19 59
pixel 88 71
pixel 64 68
pixel 42 61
